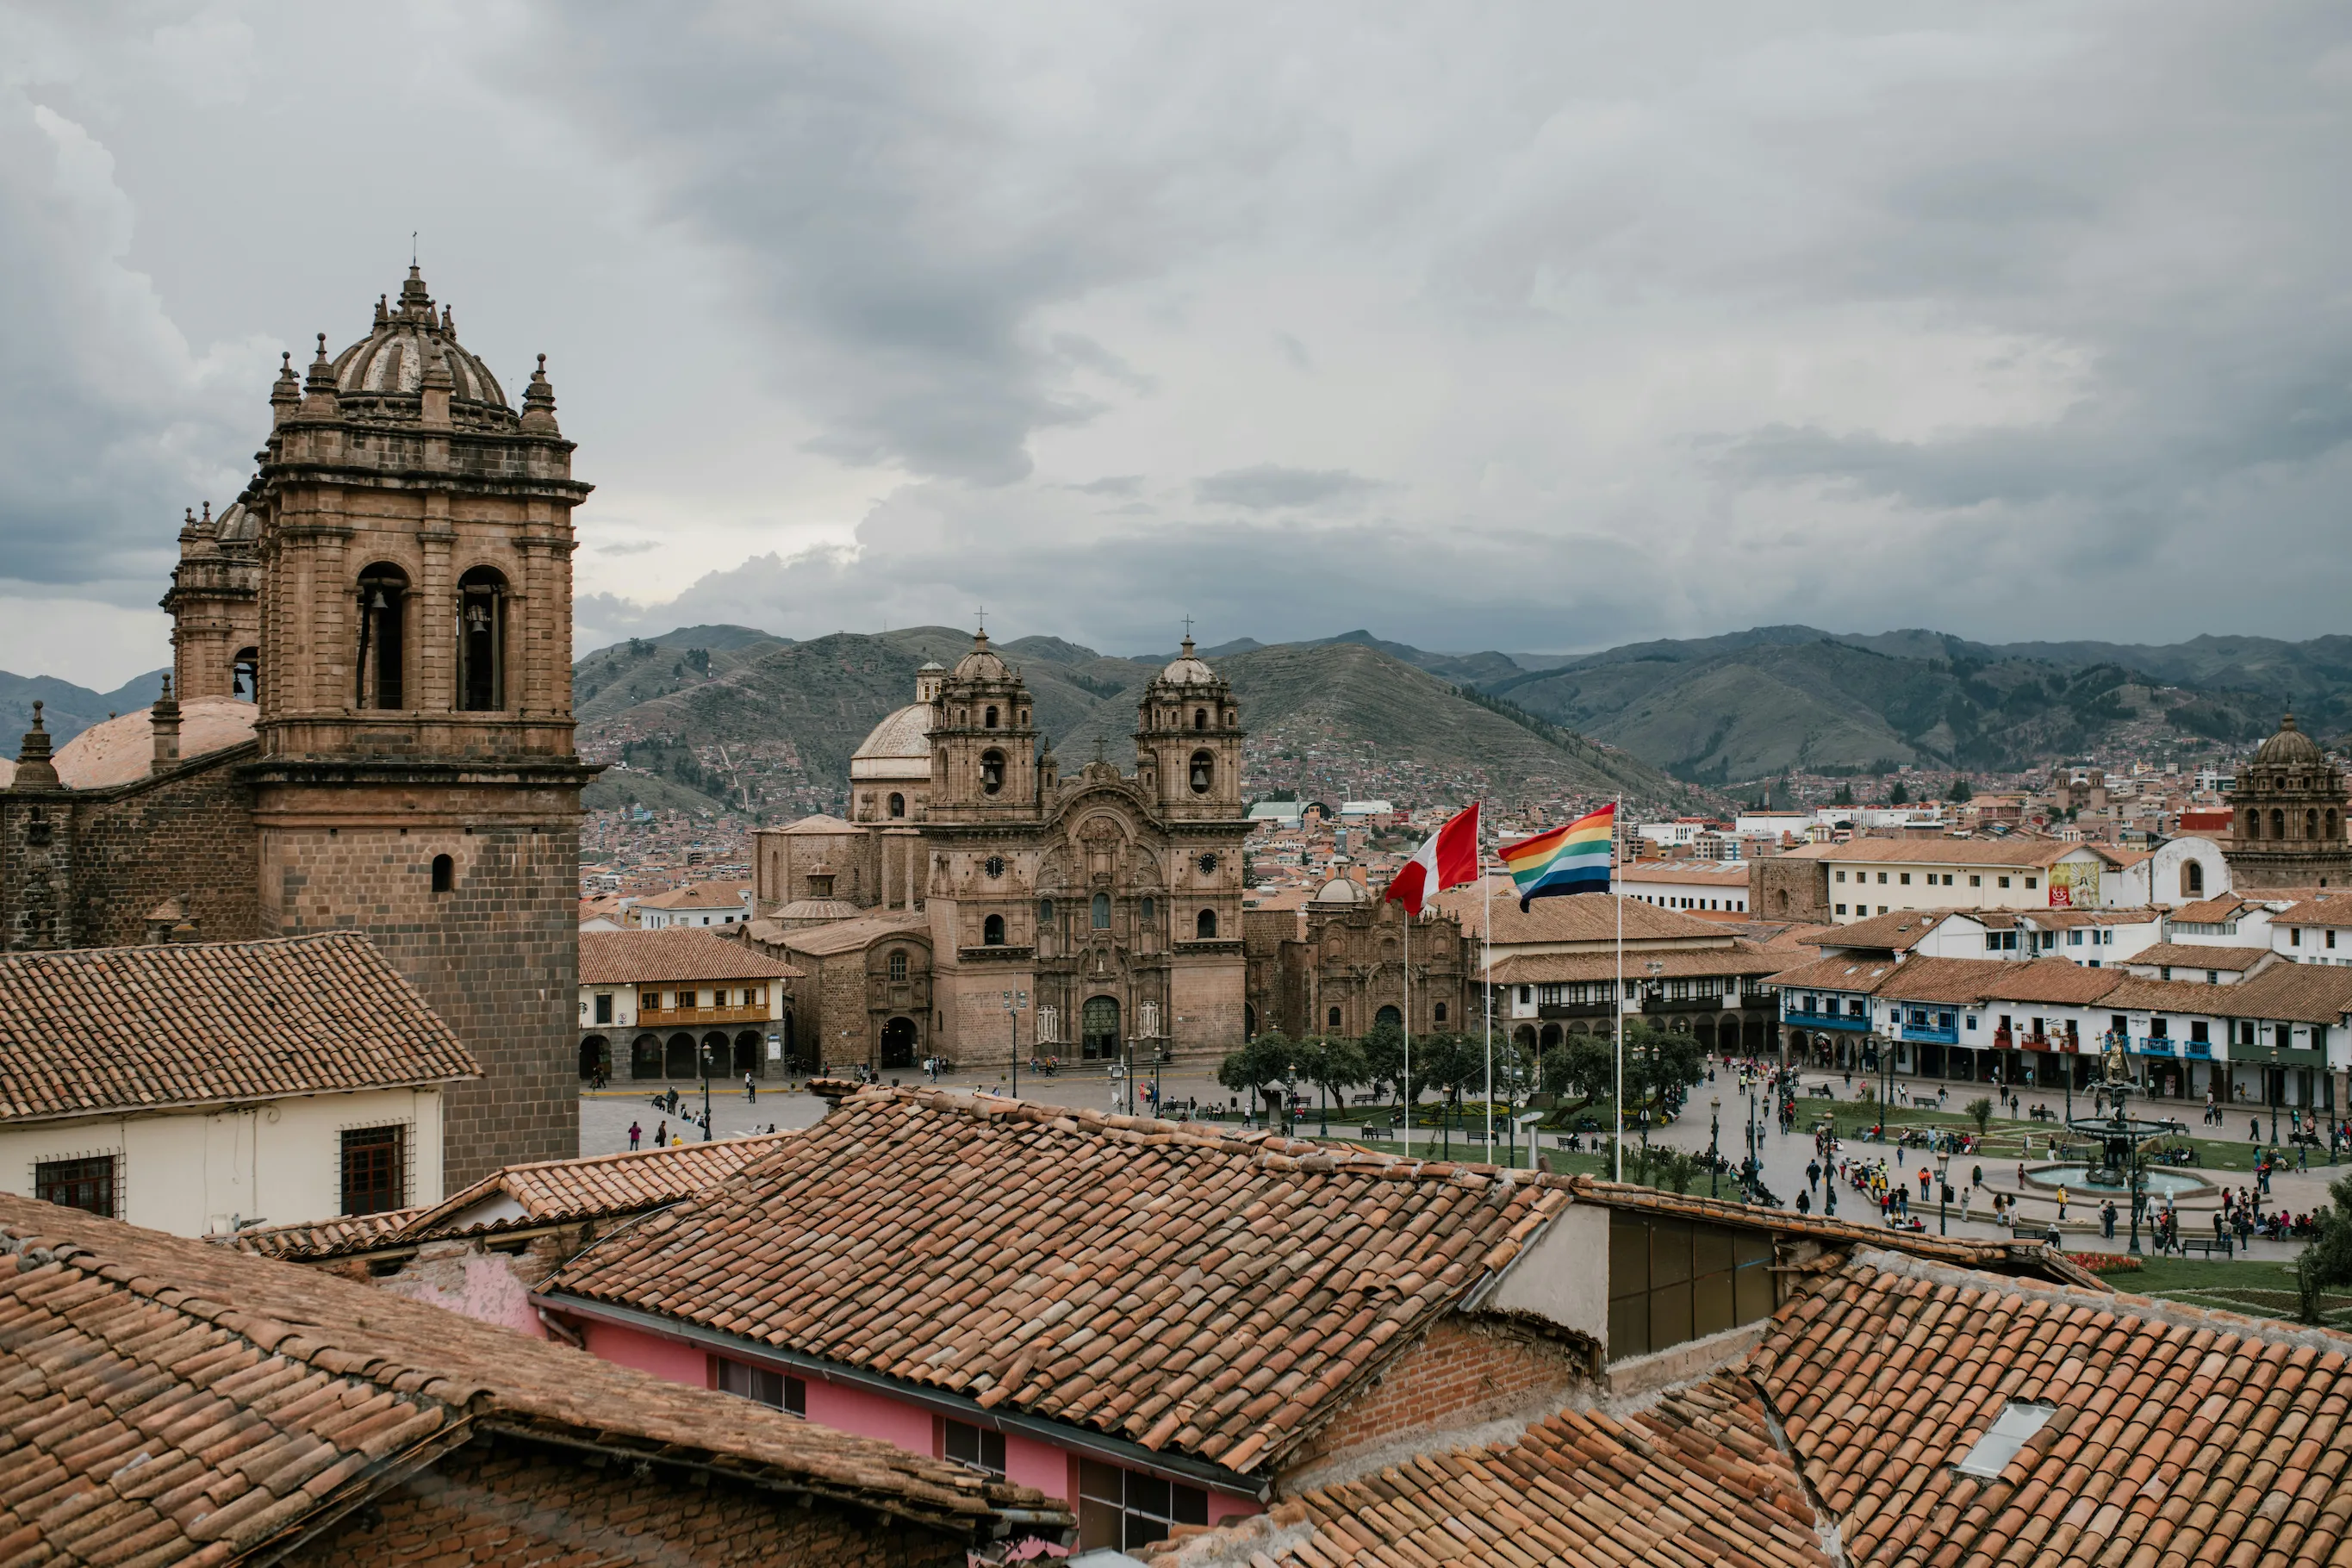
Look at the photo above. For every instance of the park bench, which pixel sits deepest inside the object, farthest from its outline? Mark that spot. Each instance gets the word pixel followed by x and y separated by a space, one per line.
pixel 2209 1245
pixel 1382 1129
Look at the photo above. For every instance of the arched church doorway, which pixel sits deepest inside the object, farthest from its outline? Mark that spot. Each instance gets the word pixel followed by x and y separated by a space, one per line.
pixel 899 1043
pixel 1098 1028
pixel 1249 1022
pixel 1388 1016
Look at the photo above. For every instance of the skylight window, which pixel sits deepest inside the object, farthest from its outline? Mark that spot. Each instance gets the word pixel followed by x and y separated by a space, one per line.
pixel 2013 1429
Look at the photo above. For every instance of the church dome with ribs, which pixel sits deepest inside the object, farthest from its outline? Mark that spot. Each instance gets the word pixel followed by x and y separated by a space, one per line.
pixel 382 375
pixel 2290 746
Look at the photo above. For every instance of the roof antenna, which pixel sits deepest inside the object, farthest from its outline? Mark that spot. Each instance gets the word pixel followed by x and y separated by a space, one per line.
pixel 412 249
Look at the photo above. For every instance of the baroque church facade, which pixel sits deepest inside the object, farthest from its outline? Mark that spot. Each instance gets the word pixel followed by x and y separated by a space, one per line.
pixel 2287 824
pixel 979 905
pixel 368 726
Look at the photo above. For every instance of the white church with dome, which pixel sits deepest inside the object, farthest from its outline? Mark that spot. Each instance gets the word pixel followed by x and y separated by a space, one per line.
pixel 1105 907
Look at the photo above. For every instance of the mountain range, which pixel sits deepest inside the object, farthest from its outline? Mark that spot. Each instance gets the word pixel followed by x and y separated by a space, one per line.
pixel 722 713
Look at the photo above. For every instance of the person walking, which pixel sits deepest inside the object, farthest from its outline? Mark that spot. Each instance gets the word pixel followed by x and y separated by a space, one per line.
pixel 661 1135
pixel 635 1132
pixel 1965 1193
pixel 1804 1202
pixel 2062 1206
pixel 750 1090
pixel 1813 1174
pixel 1923 1183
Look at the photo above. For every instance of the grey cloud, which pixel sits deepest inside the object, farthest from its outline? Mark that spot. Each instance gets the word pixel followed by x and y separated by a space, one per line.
pixel 1112 485
pixel 1294 351
pixel 1268 487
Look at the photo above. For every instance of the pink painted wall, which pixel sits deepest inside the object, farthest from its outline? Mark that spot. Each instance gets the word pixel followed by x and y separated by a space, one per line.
pixel 1028 1461
pixel 869 1415
pixel 480 1285
pixel 647 1352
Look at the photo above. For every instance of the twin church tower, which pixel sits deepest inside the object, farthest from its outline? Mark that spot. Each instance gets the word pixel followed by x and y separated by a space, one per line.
pixel 371 684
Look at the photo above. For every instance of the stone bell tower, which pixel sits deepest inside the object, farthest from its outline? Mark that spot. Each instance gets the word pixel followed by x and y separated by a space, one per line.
pixel 1188 741
pixel 984 743
pixel 417 778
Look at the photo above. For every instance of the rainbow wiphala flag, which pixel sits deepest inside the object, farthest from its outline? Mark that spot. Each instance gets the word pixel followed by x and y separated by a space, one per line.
pixel 1575 859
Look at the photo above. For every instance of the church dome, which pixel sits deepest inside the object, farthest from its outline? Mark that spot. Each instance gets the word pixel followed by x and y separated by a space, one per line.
pixel 2290 747
pixel 1188 671
pixel 898 747
pixel 1343 890
pixel 981 663
pixel 123 748
pixel 382 375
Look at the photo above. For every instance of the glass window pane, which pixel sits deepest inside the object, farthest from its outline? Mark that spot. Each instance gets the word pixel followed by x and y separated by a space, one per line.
pixel 1752 1293
pixel 1670 1252
pixel 1711 1304
pixel 1099 1525
pixel 1670 1315
pixel 1101 1481
pixel 1147 1494
pixel 1629 1256
pixel 1629 1326
pixel 1191 1506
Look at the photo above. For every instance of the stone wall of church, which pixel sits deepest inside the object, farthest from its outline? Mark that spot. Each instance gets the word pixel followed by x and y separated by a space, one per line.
pixel 497 956
pixel 1205 999
pixel 187 834
pixel 1780 889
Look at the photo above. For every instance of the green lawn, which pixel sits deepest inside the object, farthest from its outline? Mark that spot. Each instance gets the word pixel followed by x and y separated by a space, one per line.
pixel 2259 1289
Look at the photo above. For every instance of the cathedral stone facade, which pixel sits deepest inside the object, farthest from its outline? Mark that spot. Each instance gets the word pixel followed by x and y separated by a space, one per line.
pixel 376 637
pixel 2287 826
pixel 1105 907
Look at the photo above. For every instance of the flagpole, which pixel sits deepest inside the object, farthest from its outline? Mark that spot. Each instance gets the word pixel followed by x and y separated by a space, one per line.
pixel 1487 952
pixel 1408 1027
pixel 1620 1005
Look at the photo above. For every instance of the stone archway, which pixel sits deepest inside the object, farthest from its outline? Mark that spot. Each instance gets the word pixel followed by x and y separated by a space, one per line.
pixel 678 1059
pixel 747 1053
pixel 1098 1028
pixel 1391 1015
pixel 899 1043
pixel 595 1055
pixel 646 1056
pixel 716 1055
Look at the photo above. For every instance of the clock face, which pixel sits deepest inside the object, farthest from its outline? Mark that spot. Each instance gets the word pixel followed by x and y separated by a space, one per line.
pixel 1209 863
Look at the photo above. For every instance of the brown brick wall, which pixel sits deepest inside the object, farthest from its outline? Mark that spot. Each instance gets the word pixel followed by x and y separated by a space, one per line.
pixel 188 835
pixel 512 1504
pixel 1783 889
pixel 498 956
pixel 1463 1371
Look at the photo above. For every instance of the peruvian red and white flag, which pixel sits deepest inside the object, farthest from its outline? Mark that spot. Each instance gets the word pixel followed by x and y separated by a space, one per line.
pixel 1449 860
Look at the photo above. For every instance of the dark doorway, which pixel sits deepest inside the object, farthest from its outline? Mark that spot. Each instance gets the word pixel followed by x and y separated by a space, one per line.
pixel 679 1059
pixel 715 1054
pixel 747 1053
pixel 899 1043
pixel 646 1056
pixel 1098 1028
pixel 1388 1016
pixel 595 1055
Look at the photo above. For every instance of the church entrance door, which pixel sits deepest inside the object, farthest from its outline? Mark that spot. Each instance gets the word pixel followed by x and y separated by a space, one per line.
pixel 899 1043
pixel 1098 1028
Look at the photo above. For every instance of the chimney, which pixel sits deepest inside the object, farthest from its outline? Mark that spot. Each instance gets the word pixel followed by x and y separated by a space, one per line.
pixel 164 720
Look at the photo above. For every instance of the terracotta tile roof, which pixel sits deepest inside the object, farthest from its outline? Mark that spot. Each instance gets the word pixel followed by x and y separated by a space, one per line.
pixel 1582 917
pixel 2194 955
pixel 1695 1479
pixel 2134 995
pixel 1898 930
pixel 828 942
pixel 2175 1435
pixel 2025 853
pixel 1187 1290
pixel 2050 980
pixel 699 896
pixel 188 1023
pixel 2061 920
pixel 2216 911
pixel 2323 910
pixel 679 953
pixel 1855 975
pixel 164 1401
pixel 553 1192
pixel 1560 968
pixel 2297 993
pixel 1732 874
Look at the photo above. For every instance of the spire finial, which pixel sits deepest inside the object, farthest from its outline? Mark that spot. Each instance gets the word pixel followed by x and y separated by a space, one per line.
pixel 208 511
pixel 322 346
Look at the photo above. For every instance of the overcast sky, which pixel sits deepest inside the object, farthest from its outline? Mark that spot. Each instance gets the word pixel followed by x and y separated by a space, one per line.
pixel 1535 327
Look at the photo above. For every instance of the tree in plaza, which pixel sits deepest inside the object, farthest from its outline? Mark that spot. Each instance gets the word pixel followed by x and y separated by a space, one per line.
pixel 1332 1063
pixel 1384 1060
pixel 1660 1068
pixel 1262 1070
pixel 1581 1065
pixel 2327 1259
pixel 1981 1112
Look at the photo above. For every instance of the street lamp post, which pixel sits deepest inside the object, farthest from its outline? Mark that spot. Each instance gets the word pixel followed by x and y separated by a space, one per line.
pixel 2275 1084
pixel 1714 1143
pixel 1015 1003
pixel 704 1054
pixel 1943 1186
